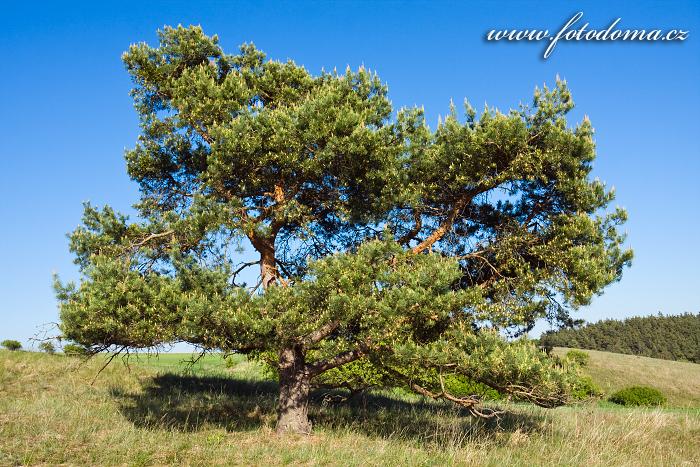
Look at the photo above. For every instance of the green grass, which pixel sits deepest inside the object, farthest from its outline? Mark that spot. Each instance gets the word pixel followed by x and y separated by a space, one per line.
pixel 678 381
pixel 185 363
pixel 155 413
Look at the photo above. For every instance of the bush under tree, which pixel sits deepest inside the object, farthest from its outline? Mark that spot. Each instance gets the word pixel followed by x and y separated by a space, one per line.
pixel 584 388
pixel 579 357
pixel 389 253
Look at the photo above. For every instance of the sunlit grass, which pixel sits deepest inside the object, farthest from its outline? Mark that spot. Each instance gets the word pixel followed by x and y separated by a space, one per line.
pixel 678 381
pixel 156 413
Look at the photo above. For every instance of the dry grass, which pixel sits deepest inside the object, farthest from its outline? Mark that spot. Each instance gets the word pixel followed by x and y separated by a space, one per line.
pixel 50 414
pixel 679 381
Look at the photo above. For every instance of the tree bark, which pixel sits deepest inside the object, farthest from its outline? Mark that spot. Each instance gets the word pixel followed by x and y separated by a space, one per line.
pixel 293 406
pixel 268 267
pixel 268 263
pixel 444 227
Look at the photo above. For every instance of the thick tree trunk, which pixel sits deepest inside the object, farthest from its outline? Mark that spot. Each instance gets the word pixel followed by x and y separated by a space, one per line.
pixel 293 407
pixel 268 267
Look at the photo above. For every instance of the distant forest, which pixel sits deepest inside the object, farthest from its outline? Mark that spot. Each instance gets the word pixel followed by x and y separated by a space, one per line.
pixel 667 337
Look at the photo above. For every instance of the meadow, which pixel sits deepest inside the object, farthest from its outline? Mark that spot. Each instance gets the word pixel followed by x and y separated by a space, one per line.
pixel 57 410
pixel 679 381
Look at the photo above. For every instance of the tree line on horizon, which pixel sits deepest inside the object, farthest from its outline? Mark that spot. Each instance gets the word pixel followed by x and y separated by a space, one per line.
pixel 667 337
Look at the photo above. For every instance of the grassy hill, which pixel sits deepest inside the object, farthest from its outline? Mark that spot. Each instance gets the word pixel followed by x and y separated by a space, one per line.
pixel 671 337
pixel 679 381
pixel 161 411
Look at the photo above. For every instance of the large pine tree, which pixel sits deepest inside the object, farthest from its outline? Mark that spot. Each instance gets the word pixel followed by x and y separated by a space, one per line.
pixel 388 253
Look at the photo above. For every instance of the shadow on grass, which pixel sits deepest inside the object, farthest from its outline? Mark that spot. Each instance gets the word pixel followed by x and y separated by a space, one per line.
pixel 188 403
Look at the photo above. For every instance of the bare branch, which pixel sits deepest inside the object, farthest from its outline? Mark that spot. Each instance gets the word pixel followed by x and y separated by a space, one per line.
pixel 243 266
pixel 153 237
pixel 107 363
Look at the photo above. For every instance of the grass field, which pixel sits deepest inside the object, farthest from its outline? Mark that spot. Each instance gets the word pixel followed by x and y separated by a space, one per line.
pixel 192 364
pixel 679 381
pixel 162 411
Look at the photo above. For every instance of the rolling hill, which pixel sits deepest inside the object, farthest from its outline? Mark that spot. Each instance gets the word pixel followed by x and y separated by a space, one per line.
pixel 679 381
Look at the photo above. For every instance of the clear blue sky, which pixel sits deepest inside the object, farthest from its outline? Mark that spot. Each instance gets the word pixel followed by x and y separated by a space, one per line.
pixel 67 116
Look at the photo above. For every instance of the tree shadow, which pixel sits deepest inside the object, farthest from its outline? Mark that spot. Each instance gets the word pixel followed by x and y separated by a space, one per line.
pixel 419 419
pixel 189 403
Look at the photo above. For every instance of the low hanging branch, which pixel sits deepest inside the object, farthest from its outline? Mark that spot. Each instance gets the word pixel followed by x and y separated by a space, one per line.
pixel 470 403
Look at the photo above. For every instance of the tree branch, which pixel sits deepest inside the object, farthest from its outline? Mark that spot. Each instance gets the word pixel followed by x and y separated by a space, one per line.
pixel 319 334
pixel 444 227
pixel 339 360
pixel 153 237
pixel 418 224
pixel 470 403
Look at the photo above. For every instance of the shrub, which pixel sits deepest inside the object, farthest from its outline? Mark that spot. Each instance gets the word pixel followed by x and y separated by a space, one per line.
pixel 461 386
pixel 638 396
pixel 579 357
pixel 585 388
pixel 75 350
pixel 47 347
pixel 11 344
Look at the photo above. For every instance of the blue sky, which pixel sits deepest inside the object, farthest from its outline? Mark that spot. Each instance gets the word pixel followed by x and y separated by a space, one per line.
pixel 67 116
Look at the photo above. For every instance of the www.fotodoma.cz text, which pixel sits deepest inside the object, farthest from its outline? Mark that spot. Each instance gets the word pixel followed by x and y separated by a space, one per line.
pixel 572 32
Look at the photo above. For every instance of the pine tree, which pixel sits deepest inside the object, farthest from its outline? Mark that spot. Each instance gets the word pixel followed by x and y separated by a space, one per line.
pixel 389 253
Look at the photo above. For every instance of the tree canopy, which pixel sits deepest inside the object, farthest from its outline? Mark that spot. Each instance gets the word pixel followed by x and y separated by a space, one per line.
pixel 389 253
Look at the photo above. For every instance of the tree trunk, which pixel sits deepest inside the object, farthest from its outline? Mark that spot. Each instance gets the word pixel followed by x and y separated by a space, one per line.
pixel 268 264
pixel 293 407
pixel 268 267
